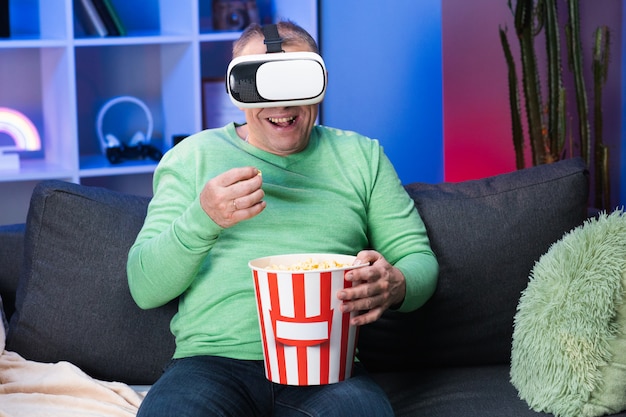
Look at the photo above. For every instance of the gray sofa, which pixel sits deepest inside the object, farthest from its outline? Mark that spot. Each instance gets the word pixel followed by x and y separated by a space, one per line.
pixel 63 282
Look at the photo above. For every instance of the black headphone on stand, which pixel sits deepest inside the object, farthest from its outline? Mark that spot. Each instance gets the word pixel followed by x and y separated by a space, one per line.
pixel 138 147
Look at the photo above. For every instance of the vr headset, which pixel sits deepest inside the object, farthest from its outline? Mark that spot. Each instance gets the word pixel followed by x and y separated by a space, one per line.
pixel 277 78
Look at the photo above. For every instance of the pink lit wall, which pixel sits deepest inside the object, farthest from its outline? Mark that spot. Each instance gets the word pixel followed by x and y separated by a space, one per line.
pixel 476 117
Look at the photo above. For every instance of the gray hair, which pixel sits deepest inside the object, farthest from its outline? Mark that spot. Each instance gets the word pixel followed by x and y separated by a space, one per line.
pixel 291 33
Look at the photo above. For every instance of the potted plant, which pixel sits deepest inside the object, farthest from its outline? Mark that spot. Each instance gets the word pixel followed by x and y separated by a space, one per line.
pixel 550 131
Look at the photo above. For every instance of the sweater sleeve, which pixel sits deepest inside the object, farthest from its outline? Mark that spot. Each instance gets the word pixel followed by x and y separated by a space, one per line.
pixel 175 238
pixel 397 231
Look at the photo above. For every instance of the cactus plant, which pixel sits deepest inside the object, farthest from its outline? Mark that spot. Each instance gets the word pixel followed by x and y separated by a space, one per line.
pixel 548 134
pixel 600 73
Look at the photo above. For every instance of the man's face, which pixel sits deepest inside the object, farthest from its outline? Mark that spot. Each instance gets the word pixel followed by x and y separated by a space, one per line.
pixel 279 130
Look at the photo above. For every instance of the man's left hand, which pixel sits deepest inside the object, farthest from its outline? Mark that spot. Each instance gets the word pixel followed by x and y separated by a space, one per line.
pixel 377 287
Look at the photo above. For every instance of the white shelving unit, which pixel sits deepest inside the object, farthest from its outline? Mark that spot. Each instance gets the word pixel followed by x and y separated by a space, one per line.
pixel 60 78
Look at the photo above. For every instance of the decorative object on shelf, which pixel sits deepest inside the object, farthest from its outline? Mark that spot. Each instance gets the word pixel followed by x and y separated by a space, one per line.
pixel 549 137
pixel 99 18
pixel 91 20
pixel 5 27
pixel 24 135
pixel 138 147
pixel 217 109
pixel 234 14
pixel 110 18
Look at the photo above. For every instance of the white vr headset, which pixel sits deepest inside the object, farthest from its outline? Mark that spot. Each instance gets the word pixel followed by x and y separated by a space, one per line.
pixel 276 79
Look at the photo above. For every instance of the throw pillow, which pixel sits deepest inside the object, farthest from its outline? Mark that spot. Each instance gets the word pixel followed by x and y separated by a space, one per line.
pixel 73 302
pixel 569 342
pixel 487 234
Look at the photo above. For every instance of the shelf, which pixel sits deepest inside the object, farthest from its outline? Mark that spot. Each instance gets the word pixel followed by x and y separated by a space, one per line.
pixel 135 39
pixel 99 166
pixel 31 42
pixel 219 36
pixel 37 170
pixel 60 77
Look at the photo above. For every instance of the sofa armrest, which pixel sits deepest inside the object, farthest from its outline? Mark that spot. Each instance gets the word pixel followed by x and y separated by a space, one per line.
pixel 11 252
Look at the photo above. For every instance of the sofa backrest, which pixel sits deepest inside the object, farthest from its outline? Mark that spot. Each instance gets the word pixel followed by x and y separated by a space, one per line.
pixel 487 235
pixel 73 302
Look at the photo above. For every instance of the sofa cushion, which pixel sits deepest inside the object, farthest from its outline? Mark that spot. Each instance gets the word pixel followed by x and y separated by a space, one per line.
pixel 482 391
pixel 569 343
pixel 487 234
pixel 73 302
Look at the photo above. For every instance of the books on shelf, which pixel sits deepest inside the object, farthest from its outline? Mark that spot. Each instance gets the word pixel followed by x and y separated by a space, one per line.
pixel 109 17
pixel 99 18
pixel 5 29
pixel 90 18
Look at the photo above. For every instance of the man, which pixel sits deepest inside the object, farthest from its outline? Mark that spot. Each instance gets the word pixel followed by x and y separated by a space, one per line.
pixel 277 184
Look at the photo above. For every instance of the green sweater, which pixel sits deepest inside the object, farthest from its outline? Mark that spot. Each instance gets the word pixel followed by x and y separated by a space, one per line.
pixel 340 195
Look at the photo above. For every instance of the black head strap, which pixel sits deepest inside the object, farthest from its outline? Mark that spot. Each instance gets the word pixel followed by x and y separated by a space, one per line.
pixel 272 40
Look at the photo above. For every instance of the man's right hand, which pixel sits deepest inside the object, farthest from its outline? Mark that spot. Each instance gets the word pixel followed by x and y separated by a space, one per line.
pixel 233 196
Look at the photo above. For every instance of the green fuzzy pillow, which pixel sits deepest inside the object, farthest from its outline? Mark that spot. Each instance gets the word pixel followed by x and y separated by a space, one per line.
pixel 569 342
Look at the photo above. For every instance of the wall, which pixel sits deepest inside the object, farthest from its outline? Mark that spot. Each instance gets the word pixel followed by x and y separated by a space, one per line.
pixel 384 65
pixel 428 78
pixel 477 119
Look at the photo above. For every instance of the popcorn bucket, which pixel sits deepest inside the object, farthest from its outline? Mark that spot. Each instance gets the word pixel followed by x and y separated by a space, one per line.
pixel 307 340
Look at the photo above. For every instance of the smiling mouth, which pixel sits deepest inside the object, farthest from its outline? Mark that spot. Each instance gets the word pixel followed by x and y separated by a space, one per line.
pixel 282 121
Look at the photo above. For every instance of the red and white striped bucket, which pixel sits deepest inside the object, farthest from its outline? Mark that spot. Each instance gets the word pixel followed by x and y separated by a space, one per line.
pixel 307 340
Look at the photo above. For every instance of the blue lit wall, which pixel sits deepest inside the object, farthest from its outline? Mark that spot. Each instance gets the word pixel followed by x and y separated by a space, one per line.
pixel 385 78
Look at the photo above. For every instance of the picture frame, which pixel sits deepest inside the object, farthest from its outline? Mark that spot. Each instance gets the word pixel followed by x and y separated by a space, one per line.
pixel 217 109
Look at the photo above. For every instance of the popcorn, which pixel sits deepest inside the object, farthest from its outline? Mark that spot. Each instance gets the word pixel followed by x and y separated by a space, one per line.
pixel 309 264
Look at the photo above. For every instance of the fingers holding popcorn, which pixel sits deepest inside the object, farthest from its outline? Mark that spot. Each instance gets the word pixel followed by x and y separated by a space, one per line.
pixel 233 196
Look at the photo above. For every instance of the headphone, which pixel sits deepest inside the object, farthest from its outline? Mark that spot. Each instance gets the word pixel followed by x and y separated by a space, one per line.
pixel 138 146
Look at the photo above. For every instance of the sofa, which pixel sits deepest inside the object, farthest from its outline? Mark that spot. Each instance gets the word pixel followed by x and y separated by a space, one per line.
pixel 65 294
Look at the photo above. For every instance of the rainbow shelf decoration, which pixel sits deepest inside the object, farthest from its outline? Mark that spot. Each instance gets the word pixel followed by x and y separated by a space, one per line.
pixel 23 133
